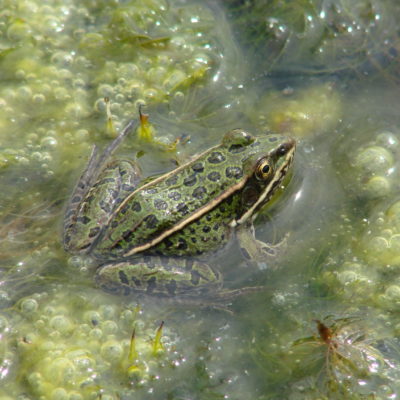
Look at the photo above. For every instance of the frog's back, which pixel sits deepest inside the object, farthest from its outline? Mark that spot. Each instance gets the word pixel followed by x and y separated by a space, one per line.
pixel 172 202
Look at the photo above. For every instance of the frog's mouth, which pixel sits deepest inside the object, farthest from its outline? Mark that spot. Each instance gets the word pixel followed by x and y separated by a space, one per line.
pixel 280 173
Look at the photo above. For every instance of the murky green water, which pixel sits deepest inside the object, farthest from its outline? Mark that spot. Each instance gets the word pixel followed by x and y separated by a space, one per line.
pixel 324 71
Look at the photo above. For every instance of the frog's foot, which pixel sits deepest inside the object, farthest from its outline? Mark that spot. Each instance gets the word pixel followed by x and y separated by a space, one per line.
pixel 258 252
pixel 220 299
pixel 227 295
pixel 146 133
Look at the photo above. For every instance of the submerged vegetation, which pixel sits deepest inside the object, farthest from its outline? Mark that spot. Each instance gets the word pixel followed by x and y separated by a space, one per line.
pixel 74 72
pixel 319 36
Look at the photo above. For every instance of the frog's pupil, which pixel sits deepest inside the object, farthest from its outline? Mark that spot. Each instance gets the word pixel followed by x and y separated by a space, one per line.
pixel 265 169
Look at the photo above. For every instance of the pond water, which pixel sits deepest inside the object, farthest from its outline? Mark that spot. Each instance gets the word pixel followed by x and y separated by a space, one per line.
pixel 326 72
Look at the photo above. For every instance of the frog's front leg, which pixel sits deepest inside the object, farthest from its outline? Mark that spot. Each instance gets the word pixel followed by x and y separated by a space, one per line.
pixel 254 250
pixel 161 276
pixel 87 216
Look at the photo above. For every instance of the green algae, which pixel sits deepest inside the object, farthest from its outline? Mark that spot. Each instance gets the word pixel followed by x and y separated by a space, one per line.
pixel 72 346
pixel 311 111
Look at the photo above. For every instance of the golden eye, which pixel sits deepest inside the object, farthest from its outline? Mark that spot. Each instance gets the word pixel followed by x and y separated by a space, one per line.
pixel 263 169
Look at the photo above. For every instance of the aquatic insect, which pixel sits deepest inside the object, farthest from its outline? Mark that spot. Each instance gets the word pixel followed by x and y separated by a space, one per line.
pixel 326 334
pixel 342 358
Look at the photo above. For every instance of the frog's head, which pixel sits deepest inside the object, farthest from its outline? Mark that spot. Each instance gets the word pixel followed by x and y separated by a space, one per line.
pixel 265 160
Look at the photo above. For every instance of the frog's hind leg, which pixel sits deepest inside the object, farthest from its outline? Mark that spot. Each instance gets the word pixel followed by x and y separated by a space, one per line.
pixel 97 193
pixel 159 276
pixel 94 167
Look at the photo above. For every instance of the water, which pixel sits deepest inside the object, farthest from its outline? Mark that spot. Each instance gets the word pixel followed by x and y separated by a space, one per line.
pixel 322 71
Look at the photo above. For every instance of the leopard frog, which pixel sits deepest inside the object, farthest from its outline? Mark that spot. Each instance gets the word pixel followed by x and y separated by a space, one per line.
pixel 151 236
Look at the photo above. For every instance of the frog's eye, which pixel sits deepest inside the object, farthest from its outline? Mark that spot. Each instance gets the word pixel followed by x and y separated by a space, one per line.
pixel 237 139
pixel 263 169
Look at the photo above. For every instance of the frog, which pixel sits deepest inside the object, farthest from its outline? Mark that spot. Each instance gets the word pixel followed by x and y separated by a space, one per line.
pixel 156 236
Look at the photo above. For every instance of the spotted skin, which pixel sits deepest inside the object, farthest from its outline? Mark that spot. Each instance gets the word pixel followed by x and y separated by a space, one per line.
pixel 213 173
pixel 152 236
pixel 208 233
pixel 163 207
pixel 175 278
pixel 115 182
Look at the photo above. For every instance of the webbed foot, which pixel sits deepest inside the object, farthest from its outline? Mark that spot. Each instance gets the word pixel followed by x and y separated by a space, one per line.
pixel 256 251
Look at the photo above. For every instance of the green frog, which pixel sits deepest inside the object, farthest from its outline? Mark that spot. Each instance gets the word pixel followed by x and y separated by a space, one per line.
pixel 151 236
